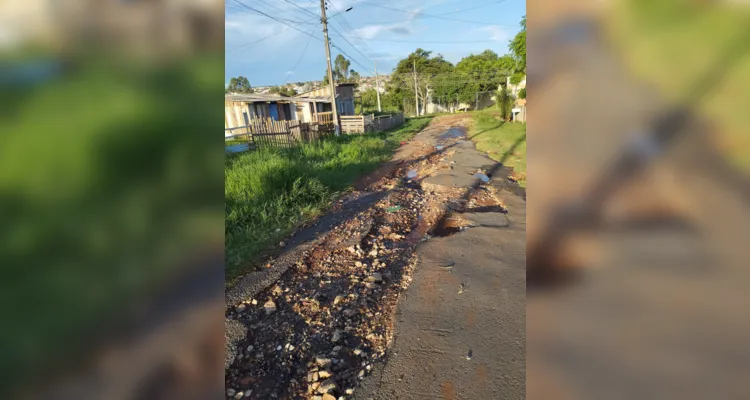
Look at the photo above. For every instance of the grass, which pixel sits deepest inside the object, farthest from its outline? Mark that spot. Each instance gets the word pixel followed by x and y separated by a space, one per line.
pixel 674 44
pixel 504 142
pixel 269 193
pixel 113 189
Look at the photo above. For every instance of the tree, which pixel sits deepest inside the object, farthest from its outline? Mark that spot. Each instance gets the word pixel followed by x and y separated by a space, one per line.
pixel 517 48
pixel 505 102
pixel 341 72
pixel 354 76
pixel 341 69
pixel 482 72
pixel 283 90
pixel 429 71
pixel 239 84
pixel 522 93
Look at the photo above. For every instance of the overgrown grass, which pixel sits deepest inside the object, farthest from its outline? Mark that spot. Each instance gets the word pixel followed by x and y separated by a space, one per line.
pixel 504 142
pixel 103 196
pixel 268 193
pixel 674 44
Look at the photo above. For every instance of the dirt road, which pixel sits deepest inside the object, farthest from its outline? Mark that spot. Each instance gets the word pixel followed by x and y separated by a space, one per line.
pixel 412 287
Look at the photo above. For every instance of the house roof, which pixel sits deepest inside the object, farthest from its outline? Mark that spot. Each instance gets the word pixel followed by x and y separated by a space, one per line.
pixel 304 94
pixel 257 98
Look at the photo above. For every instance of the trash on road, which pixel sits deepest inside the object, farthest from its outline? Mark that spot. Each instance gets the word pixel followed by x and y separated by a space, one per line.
pixel 468 356
pixel 411 174
pixel 392 209
pixel 483 177
pixel 438 148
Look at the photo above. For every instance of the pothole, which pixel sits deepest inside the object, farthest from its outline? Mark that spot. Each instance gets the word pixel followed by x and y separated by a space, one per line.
pixel 451 224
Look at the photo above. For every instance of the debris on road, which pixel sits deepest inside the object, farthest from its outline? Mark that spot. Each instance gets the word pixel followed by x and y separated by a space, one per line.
pixel 270 307
pixel 329 318
pixel 484 178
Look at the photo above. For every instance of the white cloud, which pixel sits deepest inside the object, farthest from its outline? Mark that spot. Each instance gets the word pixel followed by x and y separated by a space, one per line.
pixel 494 32
pixel 289 73
pixel 370 31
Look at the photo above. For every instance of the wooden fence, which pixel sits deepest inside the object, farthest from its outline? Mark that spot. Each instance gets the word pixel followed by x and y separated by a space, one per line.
pixel 284 134
pixel 270 133
pixel 324 118
pixel 385 122
pixel 370 123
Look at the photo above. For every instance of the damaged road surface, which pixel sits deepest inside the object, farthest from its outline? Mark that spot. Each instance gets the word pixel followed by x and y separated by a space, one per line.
pixel 336 323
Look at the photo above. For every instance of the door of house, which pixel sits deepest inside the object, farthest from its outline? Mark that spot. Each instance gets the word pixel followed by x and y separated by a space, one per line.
pixel 273 111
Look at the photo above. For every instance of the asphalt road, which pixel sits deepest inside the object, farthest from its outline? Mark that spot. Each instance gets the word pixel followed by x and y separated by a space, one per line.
pixel 460 328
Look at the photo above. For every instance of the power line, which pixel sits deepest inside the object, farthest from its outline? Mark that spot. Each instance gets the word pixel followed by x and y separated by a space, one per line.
pixel 350 44
pixel 423 15
pixel 281 9
pixel 303 9
pixel 259 11
pixel 423 41
pixel 277 20
pixel 472 8
pixel 299 59
pixel 256 41
pixel 352 58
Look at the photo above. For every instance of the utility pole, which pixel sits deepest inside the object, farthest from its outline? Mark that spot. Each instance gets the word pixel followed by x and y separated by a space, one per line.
pixel 416 91
pixel 335 113
pixel 377 84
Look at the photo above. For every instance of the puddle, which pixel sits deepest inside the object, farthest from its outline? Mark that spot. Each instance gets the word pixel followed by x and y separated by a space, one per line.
pixel 452 133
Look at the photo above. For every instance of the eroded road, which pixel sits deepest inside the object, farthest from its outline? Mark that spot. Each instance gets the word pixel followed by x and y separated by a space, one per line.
pixel 412 288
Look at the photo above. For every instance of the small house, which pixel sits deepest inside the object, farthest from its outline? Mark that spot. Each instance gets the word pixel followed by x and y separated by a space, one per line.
pixel 344 98
pixel 240 109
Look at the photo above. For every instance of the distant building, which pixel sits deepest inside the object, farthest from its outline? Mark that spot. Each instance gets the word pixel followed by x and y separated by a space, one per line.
pixel 344 97
pixel 241 109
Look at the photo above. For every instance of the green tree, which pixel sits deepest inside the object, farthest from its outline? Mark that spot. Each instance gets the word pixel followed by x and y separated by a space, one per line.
pixel 341 72
pixel 482 72
pixel 505 102
pixel 517 48
pixel 341 69
pixel 283 90
pixel 429 70
pixel 354 76
pixel 239 84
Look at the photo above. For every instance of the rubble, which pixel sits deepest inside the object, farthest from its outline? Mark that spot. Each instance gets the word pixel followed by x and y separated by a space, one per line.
pixel 270 307
pixel 333 309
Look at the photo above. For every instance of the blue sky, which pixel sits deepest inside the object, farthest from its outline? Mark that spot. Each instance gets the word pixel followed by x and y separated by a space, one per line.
pixel 373 34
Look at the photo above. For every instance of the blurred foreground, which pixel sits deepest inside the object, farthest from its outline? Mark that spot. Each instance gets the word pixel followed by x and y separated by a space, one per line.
pixel 639 206
pixel 111 199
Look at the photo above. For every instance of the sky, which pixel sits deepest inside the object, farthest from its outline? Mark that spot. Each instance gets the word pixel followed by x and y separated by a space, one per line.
pixel 270 52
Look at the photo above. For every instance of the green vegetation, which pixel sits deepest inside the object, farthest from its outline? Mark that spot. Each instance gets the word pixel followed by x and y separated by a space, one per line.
pixel 286 90
pixel 368 103
pixel 505 103
pixel 107 185
pixel 239 84
pixel 268 193
pixel 341 72
pixel 477 74
pixel 675 44
pixel 505 142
